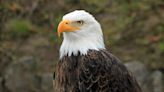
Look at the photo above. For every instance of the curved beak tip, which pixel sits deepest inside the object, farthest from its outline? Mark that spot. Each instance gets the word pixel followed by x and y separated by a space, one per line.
pixel 65 27
pixel 60 29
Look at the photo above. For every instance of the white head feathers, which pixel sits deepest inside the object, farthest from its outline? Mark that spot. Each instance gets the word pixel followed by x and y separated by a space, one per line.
pixel 89 36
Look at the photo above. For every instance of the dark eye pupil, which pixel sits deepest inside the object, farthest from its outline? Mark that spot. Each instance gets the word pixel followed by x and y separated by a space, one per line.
pixel 80 22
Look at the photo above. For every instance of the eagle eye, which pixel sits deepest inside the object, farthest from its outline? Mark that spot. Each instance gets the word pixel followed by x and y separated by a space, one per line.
pixel 81 22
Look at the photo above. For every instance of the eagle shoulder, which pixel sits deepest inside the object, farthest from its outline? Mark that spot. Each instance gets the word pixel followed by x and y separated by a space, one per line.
pixel 100 71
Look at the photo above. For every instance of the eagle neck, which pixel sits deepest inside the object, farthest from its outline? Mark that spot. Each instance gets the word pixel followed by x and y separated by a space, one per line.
pixel 72 45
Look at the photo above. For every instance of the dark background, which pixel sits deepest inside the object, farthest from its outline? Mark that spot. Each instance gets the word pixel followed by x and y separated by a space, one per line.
pixel 133 31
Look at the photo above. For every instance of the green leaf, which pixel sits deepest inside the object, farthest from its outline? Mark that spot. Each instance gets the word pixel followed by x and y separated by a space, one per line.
pixel 161 46
pixel 18 27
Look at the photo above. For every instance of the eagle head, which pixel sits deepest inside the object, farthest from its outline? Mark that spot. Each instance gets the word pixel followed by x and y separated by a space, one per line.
pixel 81 32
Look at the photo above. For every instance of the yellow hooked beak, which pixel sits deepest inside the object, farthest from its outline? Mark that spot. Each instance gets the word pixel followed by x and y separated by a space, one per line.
pixel 65 26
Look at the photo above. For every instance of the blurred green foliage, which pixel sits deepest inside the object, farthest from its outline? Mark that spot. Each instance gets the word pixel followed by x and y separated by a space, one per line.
pixel 133 29
pixel 161 46
pixel 18 26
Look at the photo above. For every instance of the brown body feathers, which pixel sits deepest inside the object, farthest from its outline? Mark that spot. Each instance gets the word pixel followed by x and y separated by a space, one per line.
pixel 98 71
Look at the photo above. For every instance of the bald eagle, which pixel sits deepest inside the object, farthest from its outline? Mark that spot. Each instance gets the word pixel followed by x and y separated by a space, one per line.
pixel 84 64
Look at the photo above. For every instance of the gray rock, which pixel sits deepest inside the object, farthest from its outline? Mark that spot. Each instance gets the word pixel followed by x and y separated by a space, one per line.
pixel 142 75
pixel 21 76
pixel 1 86
pixel 46 83
pixel 157 81
pixel 5 60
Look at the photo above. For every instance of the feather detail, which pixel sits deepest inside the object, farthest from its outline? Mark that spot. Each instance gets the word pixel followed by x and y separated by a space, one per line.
pixel 98 71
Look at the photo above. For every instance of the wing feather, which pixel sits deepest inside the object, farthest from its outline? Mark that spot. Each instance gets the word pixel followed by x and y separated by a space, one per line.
pixel 102 72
